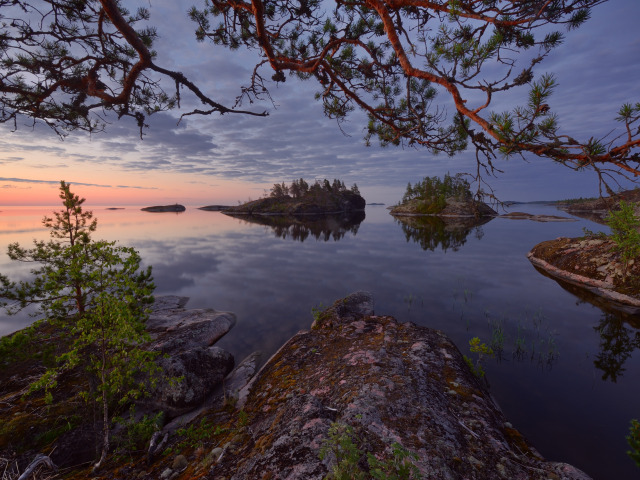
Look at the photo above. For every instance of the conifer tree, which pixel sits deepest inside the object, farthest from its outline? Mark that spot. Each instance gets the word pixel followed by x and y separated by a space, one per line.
pixel 95 293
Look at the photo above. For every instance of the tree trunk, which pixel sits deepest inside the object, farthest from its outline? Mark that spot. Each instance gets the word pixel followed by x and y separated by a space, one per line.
pixel 105 417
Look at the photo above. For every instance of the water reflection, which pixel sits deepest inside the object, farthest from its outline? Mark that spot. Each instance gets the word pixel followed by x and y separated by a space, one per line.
pixel 618 328
pixel 299 228
pixel 445 233
pixel 617 344
pixel 629 313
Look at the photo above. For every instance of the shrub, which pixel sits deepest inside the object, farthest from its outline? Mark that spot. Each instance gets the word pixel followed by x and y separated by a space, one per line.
pixel 624 232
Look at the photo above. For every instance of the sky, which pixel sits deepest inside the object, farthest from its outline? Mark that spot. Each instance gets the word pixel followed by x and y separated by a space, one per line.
pixel 233 158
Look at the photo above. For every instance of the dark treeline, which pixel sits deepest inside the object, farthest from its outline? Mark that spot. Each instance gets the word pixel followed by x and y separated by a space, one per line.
pixel 300 188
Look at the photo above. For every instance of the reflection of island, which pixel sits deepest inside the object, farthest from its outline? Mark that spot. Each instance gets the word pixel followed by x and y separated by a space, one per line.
pixel 321 227
pixel 617 344
pixel 441 232
pixel 619 330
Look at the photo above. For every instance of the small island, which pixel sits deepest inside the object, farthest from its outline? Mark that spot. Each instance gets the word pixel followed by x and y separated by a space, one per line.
pixel 448 197
pixel 214 208
pixel 300 198
pixel 164 208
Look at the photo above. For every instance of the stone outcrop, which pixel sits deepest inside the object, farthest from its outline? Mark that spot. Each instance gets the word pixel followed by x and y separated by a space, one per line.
pixel 185 339
pixel 536 218
pixel 594 265
pixel 391 383
pixel 164 208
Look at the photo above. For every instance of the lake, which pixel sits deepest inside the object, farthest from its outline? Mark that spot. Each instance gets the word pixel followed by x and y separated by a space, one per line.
pixel 567 371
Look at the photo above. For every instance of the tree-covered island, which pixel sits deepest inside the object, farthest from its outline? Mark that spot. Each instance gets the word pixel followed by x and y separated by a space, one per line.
pixel 447 197
pixel 300 198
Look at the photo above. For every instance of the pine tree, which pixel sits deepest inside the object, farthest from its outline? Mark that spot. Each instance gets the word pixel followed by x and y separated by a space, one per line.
pixel 96 294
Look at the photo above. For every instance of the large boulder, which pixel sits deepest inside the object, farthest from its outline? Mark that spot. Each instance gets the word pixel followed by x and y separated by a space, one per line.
pixel 387 383
pixel 191 366
pixel 191 376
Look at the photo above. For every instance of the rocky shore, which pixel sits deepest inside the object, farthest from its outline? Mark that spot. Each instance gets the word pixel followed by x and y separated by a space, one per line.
pixel 594 265
pixel 396 390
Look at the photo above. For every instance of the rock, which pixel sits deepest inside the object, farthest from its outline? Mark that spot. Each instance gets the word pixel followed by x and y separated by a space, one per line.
pixel 591 265
pixel 452 208
pixel 177 329
pixel 164 208
pixel 536 218
pixel 388 381
pixel 179 463
pixel 200 370
pixel 184 338
pixel 214 208
pixel 168 302
pixel 241 375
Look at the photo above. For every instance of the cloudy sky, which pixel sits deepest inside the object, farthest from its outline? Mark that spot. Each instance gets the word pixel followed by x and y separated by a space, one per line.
pixel 223 160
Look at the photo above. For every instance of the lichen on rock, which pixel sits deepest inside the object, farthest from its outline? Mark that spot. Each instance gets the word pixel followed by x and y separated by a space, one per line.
pixel 392 383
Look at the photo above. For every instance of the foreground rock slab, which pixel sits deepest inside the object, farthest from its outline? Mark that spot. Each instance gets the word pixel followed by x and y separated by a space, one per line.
pixel 390 382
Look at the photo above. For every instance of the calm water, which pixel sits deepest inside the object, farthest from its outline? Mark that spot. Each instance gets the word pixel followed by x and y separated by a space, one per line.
pixel 568 374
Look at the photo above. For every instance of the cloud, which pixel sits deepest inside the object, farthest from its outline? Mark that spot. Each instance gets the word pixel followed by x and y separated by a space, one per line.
pixel 57 182
pixel 7 160
pixel 296 140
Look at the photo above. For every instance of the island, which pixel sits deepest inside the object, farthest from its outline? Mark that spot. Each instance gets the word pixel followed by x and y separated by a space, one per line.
pixel 213 208
pixel 447 197
pixel 164 208
pixel 300 198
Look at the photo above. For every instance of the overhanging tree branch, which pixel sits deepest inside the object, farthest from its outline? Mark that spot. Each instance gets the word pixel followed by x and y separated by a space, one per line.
pixel 90 59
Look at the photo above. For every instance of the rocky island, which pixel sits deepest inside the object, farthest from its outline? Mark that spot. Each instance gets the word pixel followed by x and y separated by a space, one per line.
pixel 397 393
pixel 448 197
pixel 164 208
pixel 300 198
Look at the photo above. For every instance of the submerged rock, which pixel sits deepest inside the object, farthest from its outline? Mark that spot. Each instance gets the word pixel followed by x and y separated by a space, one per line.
pixel 391 383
